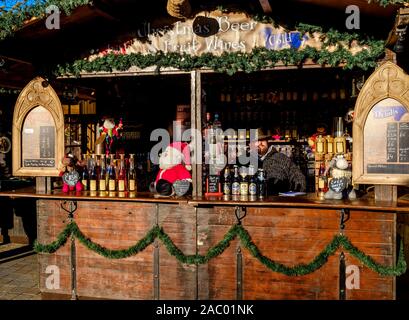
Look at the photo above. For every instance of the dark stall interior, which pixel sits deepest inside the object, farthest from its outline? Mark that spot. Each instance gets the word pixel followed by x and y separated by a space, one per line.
pixel 142 103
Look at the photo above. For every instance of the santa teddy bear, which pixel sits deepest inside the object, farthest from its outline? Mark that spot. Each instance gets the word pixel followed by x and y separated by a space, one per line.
pixel 174 177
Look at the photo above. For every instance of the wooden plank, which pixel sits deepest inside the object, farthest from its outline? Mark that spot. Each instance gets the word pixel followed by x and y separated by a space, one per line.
pixel 62 263
pixel 286 235
pixel 177 279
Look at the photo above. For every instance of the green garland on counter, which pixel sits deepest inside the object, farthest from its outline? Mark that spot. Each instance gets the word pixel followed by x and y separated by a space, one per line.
pixel 13 19
pixel 235 231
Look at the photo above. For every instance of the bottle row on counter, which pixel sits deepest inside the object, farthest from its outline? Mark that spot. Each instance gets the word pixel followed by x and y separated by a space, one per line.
pixel 239 181
pixel 105 173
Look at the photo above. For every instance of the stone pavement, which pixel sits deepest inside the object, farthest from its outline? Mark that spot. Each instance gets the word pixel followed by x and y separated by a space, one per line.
pixel 18 273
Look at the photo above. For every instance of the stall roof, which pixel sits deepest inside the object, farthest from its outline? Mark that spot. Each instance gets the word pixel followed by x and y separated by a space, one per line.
pixel 32 47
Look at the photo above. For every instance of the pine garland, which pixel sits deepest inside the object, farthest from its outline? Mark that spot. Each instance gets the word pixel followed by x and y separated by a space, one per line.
pixel 230 63
pixel 8 91
pixel 13 19
pixel 235 231
pixel 385 3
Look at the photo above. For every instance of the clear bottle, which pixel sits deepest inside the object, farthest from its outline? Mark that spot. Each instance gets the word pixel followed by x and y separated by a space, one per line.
pixel 132 183
pixel 85 176
pixel 340 145
pixel 112 176
pixel 122 174
pixel 330 144
pixel 102 174
pixel 93 175
pixel 321 145
pixel 212 147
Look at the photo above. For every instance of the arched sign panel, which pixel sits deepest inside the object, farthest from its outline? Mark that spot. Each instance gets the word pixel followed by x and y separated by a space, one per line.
pixel 38 131
pixel 381 129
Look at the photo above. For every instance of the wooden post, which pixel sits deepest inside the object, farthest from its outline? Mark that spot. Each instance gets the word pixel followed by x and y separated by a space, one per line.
pixel 43 184
pixel 384 193
pixel 196 125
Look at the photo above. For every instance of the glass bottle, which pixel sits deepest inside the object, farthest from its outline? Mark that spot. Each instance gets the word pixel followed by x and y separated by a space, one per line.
pixel 132 186
pixel 330 144
pixel 112 176
pixel 122 174
pixel 252 182
pixel 348 141
pixel 102 174
pixel 212 147
pixel 322 180
pixel 227 185
pixel 208 125
pixel 235 188
pixel 340 145
pixel 244 183
pixel 93 175
pixel 85 176
pixel 261 184
pixel 217 123
pixel 321 145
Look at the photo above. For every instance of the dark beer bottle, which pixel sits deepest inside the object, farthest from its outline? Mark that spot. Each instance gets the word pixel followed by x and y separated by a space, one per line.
pixel 235 188
pixel 262 187
pixel 244 183
pixel 252 182
pixel 227 185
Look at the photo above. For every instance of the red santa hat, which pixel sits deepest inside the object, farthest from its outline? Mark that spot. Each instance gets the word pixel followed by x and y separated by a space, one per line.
pixel 184 151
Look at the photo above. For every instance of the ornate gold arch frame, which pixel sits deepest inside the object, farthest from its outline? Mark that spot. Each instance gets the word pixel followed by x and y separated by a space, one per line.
pixel 38 95
pixel 387 82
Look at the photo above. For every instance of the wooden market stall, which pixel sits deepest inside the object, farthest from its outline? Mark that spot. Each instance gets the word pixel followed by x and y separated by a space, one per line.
pixel 136 245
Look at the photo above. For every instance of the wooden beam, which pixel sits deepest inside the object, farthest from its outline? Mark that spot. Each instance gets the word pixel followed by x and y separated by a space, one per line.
pixel 265 4
pixel 15 60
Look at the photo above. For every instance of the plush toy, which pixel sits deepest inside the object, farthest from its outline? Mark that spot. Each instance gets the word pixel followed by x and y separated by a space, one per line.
pixel 340 184
pixel 174 176
pixel 69 174
pixel 110 133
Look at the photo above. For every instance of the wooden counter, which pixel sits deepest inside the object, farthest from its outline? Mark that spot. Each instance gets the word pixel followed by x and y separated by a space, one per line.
pixel 287 230
pixel 308 201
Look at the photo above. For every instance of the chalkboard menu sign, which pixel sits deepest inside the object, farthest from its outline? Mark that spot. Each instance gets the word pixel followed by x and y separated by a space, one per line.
pixel 213 186
pixel 381 128
pixel 38 131
pixel 38 139
pixel 392 142
pixel 386 136
pixel 404 142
